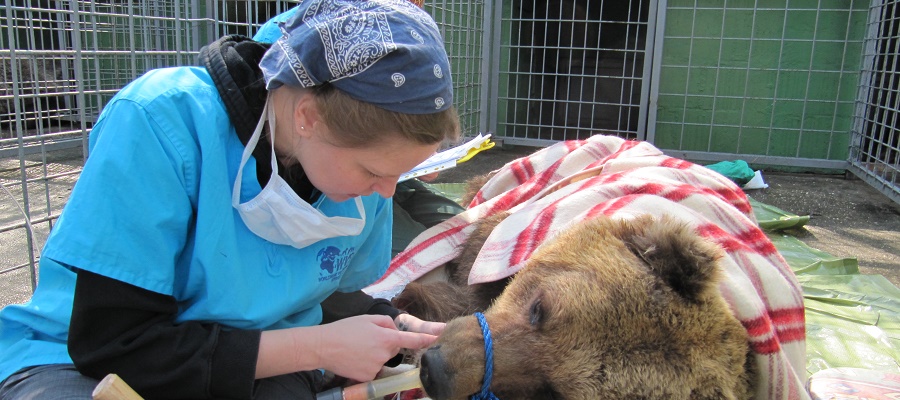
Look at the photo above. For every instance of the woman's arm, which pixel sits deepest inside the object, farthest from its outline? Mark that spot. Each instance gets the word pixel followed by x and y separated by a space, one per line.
pixel 140 342
pixel 355 347
pixel 123 329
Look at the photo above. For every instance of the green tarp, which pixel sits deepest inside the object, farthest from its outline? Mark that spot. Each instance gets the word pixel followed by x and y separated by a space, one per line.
pixel 852 319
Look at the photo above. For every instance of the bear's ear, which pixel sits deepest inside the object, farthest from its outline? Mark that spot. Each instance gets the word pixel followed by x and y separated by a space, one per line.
pixel 683 260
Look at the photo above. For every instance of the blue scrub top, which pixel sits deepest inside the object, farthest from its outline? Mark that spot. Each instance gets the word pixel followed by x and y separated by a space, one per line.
pixel 152 208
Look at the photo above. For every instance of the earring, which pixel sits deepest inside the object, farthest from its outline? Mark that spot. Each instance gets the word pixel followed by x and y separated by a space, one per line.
pixel 302 127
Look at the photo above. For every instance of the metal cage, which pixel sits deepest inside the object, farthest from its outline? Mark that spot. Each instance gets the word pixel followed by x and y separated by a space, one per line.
pixel 62 60
pixel 875 141
pixel 567 69
pixel 796 85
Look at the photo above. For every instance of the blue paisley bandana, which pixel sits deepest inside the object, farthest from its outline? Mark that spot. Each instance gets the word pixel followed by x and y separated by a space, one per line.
pixel 385 52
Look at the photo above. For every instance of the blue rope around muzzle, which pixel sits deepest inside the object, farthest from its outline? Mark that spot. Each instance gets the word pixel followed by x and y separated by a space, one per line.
pixel 485 393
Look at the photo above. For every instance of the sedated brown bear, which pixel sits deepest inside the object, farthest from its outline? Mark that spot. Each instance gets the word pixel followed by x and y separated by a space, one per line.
pixel 608 310
pixel 605 269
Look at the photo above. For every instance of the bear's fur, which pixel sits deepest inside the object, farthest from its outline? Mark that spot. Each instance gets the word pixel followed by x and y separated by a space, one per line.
pixel 609 309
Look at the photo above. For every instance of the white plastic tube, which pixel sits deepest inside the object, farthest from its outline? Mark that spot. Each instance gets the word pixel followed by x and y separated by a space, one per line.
pixel 375 389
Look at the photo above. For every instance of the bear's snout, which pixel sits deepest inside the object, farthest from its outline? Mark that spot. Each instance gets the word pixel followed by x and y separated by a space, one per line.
pixel 433 373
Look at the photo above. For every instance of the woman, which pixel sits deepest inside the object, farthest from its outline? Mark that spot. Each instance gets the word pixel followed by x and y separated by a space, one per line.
pixel 417 206
pixel 216 241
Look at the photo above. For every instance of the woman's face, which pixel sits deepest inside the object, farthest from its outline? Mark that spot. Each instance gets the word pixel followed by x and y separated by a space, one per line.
pixel 339 172
pixel 342 173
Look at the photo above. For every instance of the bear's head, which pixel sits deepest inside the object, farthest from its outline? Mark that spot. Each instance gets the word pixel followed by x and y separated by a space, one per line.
pixel 609 309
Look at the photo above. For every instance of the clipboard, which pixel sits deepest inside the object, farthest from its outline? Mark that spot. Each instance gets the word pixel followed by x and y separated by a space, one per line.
pixel 451 157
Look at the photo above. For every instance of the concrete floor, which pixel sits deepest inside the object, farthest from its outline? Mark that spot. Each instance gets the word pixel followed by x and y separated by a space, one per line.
pixel 848 218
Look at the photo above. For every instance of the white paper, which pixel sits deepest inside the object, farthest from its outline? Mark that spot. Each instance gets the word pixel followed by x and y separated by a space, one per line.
pixel 757 182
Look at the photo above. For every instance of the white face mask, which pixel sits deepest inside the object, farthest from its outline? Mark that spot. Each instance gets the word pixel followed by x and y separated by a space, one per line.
pixel 277 214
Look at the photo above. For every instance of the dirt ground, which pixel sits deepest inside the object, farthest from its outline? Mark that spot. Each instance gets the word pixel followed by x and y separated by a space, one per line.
pixel 848 218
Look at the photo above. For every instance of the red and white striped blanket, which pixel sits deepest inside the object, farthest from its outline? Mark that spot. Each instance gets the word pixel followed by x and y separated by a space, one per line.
pixel 604 175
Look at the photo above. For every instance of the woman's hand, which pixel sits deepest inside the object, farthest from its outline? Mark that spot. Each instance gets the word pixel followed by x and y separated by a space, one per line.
pixel 355 347
pixel 365 343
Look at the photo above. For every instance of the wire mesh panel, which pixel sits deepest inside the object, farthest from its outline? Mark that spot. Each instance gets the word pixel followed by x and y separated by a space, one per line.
pixel 771 81
pixel 39 114
pixel 875 150
pixel 462 25
pixel 61 61
pixel 570 68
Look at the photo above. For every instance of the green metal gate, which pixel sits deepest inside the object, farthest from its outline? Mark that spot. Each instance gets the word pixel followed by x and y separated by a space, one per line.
pixel 770 82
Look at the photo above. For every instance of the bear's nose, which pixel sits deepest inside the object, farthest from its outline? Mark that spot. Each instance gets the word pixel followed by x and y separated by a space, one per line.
pixel 434 375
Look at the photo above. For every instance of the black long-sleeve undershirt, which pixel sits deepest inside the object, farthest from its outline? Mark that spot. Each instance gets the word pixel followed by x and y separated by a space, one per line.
pixel 120 328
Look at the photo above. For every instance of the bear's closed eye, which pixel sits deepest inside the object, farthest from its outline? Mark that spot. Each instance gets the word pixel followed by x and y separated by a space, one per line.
pixel 536 315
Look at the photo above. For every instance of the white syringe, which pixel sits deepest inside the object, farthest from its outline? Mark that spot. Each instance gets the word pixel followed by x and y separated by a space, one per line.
pixel 375 389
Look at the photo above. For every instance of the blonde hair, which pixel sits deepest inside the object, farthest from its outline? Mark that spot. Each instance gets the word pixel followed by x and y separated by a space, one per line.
pixel 354 123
